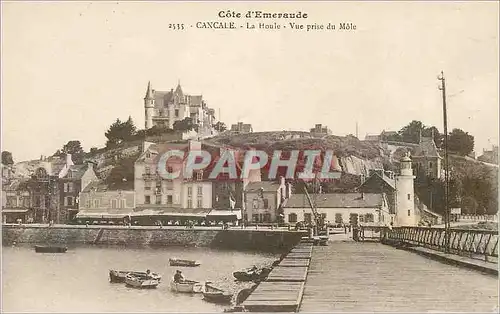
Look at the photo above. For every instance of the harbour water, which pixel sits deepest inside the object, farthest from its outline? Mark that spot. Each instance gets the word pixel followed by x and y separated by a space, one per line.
pixel 78 280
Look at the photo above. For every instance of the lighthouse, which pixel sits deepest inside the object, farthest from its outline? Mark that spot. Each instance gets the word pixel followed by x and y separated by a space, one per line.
pixel 406 214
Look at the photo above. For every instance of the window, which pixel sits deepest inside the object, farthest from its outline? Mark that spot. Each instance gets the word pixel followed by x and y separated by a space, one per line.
pixel 430 164
pixel 87 203
pixel 147 170
pixel 26 202
pixel 68 201
pixel 123 203
pixel 266 203
pixel 200 191
pixel 369 218
pixel 409 196
pixel 267 217
pixel 190 203
pixel 148 155
pixel 170 169
pixel 307 217
pixel 409 212
pixel 96 203
pixel 199 175
pixel 12 201
pixel 158 199
pixel 169 199
pixel 323 216
pixel 199 203
pixel 292 217
pixel 70 174
pixel 190 191
pixel 147 199
pixel 114 203
pixel 255 218
pixel 361 218
pixel 255 204
pixel 176 113
pixel 147 186
pixel 338 218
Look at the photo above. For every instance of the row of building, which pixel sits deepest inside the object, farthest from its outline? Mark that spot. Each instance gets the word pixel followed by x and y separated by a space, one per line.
pixel 65 193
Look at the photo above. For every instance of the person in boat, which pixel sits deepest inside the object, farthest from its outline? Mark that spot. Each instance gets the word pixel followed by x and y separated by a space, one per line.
pixel 149 274
pixel 178 277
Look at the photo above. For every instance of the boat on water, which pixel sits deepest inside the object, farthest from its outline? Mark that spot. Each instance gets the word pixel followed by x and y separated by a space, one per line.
pixel 141 282
pixel 119 276
pixel 50 249
pixel 187 286
pixel 216 295
pixel 252 274
pixel 183 262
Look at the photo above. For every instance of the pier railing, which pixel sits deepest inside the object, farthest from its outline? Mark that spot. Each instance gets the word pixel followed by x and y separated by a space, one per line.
pixel 469 242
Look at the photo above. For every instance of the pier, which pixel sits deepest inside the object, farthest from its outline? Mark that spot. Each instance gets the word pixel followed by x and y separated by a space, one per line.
pixel 370 276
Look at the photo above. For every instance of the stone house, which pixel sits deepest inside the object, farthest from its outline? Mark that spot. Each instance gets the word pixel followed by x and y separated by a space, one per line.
pixel 71 182
pixel 98 201
pixel 16 201
pixel 264 201
pixel 241 127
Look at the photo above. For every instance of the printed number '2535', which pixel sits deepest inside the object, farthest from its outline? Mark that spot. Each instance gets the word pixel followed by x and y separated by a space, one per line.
pixel 176 26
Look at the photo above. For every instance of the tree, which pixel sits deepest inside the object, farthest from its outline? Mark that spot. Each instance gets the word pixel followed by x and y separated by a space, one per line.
pixel 460 142
pixel 184 125
pixel 119 132
pixel 411 133
pixel 434 132
pixel 73 147
pixel 220 126
pixel 7 158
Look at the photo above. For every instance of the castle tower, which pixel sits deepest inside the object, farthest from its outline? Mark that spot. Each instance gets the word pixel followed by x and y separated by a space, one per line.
pixel 405 206
pixel 149 104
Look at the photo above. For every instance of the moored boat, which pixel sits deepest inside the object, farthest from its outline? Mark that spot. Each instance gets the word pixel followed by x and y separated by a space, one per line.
pixel 143 282
pixel 186 286
pixel 119 276
pixel 216 295
pixel 183 262
pixel 50 249
pixel 252 274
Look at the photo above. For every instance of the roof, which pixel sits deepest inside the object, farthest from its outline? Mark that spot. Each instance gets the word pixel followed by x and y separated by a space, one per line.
pixel 16 185
pixel 383 178
pixel 99 213
pixel 337 200
pixel 267 186
pixel 192 212
pixel 163 98
pixel 101 186
pixel 426 148
pixel 77 172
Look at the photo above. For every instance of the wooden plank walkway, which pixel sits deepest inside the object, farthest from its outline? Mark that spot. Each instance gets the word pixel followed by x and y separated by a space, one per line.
pixel 372 277
pixel 288 274
pixel 282 290
pixel 275 297
pixel 290 262
pixel 299 255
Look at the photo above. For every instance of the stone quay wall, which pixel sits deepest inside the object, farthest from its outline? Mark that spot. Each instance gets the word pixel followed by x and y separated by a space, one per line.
pixel 238 239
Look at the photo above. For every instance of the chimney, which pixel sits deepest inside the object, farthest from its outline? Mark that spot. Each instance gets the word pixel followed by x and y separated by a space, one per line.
pixel 69 161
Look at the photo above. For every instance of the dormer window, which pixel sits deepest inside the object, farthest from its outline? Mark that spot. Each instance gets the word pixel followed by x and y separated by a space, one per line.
pixel 199 175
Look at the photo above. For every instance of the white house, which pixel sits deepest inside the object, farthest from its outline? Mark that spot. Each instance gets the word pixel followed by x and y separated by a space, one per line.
pixel 339 208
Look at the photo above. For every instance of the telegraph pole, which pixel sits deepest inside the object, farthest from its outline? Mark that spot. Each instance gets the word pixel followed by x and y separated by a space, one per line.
pixel 446 181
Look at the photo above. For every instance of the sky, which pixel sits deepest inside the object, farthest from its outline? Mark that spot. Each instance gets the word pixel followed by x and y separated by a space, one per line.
pixel 70 69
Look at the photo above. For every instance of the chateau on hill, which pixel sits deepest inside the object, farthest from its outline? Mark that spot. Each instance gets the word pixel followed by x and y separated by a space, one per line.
pixel 164 108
